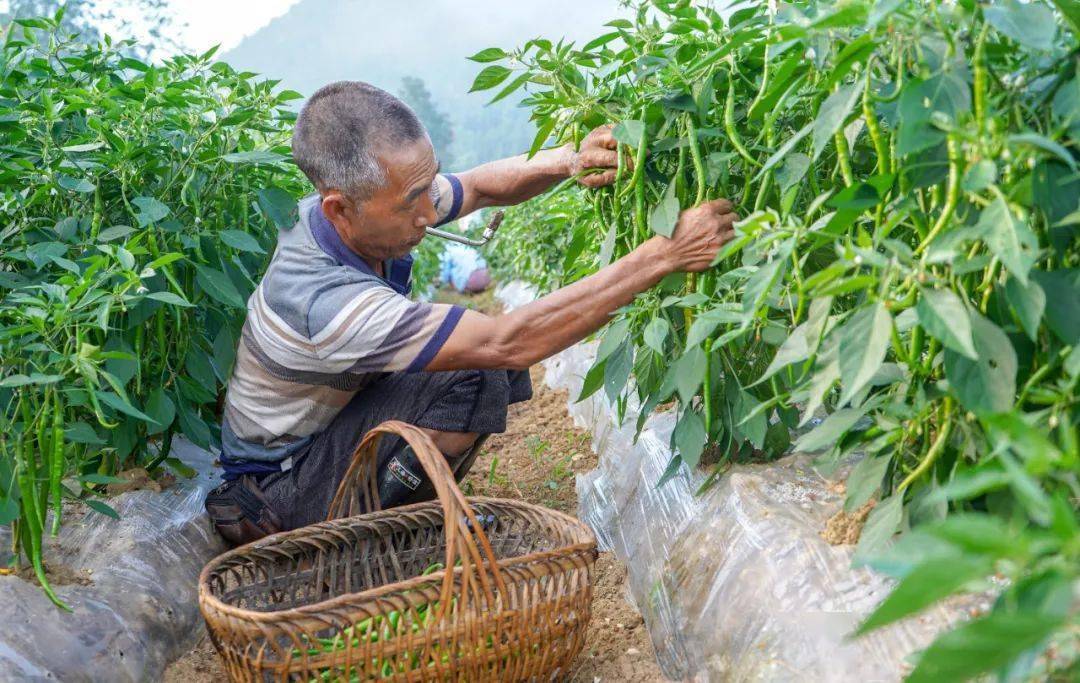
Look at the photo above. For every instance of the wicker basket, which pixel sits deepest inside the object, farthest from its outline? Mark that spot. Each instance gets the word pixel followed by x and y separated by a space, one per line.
pixel 364 598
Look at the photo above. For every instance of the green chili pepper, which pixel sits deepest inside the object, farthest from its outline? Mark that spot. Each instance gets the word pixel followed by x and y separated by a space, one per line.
pixel 56 469
pixel 729 126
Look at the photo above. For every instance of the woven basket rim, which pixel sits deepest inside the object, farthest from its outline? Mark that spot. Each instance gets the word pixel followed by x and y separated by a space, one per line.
pixel 209 600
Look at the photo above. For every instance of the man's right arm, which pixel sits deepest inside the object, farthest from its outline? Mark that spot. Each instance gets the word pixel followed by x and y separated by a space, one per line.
pixel 527 335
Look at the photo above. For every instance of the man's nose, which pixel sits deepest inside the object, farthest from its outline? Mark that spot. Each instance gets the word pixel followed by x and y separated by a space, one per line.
pixel 426 216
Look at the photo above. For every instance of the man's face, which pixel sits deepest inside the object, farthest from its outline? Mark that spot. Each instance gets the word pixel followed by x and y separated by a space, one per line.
pixel 392 221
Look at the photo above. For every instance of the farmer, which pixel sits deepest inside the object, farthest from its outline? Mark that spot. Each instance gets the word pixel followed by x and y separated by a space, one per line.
pixel 333 346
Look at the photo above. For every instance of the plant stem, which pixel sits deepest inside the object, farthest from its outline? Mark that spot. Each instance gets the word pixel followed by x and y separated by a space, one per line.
pixel 936 447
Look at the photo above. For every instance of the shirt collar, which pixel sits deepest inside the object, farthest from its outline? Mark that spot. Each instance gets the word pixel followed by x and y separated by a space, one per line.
pixel 397 271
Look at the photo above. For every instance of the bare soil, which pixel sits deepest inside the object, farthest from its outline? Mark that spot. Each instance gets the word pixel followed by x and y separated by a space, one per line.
pixel 535 460
pixel 57 574
pixel 844 528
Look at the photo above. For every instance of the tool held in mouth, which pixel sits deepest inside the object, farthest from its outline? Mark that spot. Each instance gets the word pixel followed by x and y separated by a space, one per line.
pixel 489 232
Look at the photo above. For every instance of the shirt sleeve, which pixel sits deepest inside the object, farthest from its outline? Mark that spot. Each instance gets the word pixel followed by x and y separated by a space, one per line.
pixel 447 196
pixel 375 329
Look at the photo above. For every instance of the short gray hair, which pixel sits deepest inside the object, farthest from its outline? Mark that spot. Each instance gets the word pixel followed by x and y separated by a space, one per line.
pixel 340 131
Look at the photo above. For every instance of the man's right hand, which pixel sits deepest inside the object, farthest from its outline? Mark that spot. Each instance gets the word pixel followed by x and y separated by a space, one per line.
pixel 548 325
pixel 699 234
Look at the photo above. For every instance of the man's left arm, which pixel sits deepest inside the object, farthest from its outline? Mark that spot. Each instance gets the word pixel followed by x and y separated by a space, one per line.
pixel 517 179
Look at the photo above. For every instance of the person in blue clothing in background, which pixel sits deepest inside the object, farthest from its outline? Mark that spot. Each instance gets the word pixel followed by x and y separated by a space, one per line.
pixel 463 268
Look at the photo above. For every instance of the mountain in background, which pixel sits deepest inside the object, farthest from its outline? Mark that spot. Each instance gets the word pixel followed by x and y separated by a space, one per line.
pixel 383 41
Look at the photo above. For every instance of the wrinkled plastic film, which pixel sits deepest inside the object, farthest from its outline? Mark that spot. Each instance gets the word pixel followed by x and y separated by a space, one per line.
pixel 140 610
pixel 735 584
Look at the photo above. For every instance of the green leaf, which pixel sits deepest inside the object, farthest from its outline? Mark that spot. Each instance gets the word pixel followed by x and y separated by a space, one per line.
pixel 489 54
pixel 160 407
pixel 96 478
pixel 238 239
pixel 689 438
pixel 628 132
pixel 193 426
pixel 255 156
pixel 101 508
pixel 80 432
pixel 594 379
pixel 792 171
pixel 944 316
pixel 1070 9
pixel 1045 144
pixel 883 521
pixel 542 135
pixel 706 323
pixel 9 510
pixel 803 340
pixel 947 92
pixel 777 439
pixel 614 337
pixel 980 176
pixel 224 354
pixel 864 480
pixel 666 213
pixel 761 283
pixel 830 429
pixel 1030 24
pixel 617 370
pixel 864 339
pixel 1009 239
pixel 75 184
pixel 120 404
pixel 170 298
pixel 785 149
pixel 277 205
pixel 1029 443
pixel 1028 303
pixel 1063 307
pixel 12 381
pixel 1072 363
pixel 199 369
pixel 513 86
pixel 689 373
pixel 826 373
pixel 929 582
pixel 87 147
pixel 490 77
pixel 150 210
pixel 656 333
pixel 969 485
pixel 987 384
pixel 978 534
pixel 177 465
pixel 832 114
pixel 218 286
pixel 237 117
pixel 115 232
pixel 983 645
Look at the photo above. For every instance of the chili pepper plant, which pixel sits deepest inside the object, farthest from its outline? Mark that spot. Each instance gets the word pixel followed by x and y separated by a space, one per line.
pixel 903 284
pixel 138 206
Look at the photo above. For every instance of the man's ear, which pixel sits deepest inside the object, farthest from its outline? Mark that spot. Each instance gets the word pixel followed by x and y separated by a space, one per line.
pixel 336 207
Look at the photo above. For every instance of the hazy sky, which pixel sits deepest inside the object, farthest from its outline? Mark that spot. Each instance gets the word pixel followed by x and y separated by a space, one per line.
pixel 224 22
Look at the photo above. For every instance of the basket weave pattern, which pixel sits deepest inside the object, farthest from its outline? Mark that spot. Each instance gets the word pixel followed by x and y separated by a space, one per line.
pixel 348 599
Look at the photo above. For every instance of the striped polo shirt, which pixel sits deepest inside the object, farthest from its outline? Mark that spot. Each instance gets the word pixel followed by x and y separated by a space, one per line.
pixel 320 327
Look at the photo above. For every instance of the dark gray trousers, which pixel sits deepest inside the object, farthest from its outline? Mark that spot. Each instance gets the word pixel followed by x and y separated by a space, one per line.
pixel 456 401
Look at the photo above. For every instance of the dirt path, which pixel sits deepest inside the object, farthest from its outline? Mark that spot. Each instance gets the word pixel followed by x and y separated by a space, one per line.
pixel 535 460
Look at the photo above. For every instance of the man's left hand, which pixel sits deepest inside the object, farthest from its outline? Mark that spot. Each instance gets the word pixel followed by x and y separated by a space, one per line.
pixel 595 163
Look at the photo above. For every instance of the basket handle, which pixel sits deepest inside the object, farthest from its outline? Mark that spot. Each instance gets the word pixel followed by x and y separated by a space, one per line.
pixel 479 568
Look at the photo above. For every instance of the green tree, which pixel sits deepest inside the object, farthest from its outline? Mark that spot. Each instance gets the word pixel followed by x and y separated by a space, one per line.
pixel 416 95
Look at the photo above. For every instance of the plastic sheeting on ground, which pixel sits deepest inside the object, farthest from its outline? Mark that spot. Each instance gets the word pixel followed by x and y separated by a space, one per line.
pixel 140 611
pixel 736 584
